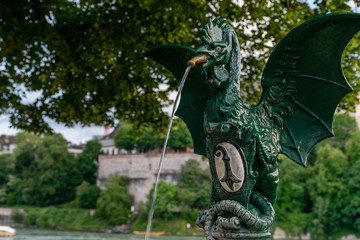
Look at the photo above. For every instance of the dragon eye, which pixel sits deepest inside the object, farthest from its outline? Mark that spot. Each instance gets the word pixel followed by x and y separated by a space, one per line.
pixel 218 48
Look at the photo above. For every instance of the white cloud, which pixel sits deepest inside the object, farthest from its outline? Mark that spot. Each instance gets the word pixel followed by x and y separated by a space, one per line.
pixel 76 134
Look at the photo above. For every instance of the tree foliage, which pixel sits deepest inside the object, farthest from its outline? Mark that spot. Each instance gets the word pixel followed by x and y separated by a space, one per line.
pixel 352 210
pixel 353 147
pixel 146 139
pixel 6 163
pixel 327 188
pixel 114 203
pixel 124 139
pixel 87 195
pixel 293 191
pixel 194 185
pixel 84 59
pixel 324 197
pixel 166 199
pixel 46 173
pixel 180 136
pixel 344 127
pixel 42 172
pixel 87 161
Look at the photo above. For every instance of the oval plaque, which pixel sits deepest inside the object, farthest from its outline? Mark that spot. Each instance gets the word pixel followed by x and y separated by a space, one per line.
pixel 230 166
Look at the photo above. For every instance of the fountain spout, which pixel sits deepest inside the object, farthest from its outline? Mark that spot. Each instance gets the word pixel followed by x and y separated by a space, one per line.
pixel 197 59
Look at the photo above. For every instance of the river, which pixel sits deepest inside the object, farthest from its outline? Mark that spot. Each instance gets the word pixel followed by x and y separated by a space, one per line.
pixel 37 234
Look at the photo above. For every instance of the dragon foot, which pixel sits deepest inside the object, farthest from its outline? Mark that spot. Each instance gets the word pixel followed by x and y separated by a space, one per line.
pixel 228 219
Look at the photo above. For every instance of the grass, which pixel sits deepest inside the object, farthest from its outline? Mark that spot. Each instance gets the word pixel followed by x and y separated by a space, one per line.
pixel 64 218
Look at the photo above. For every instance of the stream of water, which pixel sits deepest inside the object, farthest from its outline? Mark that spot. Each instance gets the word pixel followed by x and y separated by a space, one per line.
pixel 176 104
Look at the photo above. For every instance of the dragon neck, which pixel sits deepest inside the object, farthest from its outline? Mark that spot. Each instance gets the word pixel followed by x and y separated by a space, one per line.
pixel 234 65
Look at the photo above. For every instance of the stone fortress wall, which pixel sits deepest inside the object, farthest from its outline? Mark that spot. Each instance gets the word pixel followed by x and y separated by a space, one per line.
pixel 142 170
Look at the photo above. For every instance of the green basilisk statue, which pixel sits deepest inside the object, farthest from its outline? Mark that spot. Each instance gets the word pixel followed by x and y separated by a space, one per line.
pixel 302 86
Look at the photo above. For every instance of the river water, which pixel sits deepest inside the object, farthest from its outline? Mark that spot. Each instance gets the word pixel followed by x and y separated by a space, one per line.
pixel 37 234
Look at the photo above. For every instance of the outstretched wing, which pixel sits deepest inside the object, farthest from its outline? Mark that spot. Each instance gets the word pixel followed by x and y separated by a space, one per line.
pixel 304 82
pixel 195 93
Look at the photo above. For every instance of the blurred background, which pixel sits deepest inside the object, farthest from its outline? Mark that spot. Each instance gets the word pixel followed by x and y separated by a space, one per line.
pixel 83 117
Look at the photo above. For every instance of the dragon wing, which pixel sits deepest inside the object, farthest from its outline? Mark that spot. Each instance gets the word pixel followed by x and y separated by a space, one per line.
pixel 305 71
pixel 195 93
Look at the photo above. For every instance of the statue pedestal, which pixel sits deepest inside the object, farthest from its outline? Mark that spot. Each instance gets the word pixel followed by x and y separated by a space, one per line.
pixel 228 219
pixel 257 236
pixel 243 234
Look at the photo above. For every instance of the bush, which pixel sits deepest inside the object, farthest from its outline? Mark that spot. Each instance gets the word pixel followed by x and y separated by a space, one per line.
pixel 166 201
pixel 53 217
pixel 114 203
pixel 17 215
pixel 31 216
pixel 87 195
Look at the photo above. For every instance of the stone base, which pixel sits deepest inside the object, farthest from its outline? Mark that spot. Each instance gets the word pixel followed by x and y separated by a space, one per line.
pixel 242 236
pixel 242 233
pixel 227 219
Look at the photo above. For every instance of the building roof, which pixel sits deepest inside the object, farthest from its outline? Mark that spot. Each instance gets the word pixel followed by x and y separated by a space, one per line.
pixel 113 133
pixel 6 140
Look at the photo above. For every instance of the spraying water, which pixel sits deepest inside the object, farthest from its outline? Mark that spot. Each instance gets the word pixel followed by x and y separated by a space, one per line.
pixel 191 63
pixel 176 103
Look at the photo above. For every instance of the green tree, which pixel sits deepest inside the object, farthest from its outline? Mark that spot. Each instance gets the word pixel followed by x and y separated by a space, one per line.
pixel 85 59
pixel 124 139
pixel 7 167
pixel 25 152
pixel 194 185
pixel 166 200
pixel 352 211
pixel 14 191
pixel 293 205
pixel 144 139
pixel 23 138
pixel 345 127
pixel 87 161
pixel 353 148
pixel 327 189
pixel 47 173
pixel 179 136
pixel 87 195
pixel 114 203
pixel 148 140
pixel 24 159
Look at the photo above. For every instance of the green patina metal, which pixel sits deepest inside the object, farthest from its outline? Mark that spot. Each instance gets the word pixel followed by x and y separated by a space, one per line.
pixel 302 86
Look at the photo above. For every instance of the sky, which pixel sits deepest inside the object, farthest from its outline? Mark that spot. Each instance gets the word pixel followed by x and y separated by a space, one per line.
pixel 75 134
pixel 79 134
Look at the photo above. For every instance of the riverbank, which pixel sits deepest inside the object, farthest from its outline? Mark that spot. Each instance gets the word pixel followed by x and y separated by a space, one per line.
pixel 87 220
pixel 76 219
pixel 54 218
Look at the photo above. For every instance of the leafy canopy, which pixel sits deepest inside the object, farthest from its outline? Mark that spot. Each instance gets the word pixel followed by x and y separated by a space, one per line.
pixel 194 185
pixel 45 171
pixel 146 139
pixel 114 203
pixel 87 195
pixel 87 161
pixel 166 199
pixel 84 60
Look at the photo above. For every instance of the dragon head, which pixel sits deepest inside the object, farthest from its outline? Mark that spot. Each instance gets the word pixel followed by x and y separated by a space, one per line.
pixel 220 45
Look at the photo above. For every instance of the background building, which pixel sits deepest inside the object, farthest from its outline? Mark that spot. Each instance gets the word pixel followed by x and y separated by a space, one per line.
pixel 141 169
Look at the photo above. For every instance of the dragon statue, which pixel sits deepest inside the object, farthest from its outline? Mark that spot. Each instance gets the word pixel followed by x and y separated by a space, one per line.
pixel 302 85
